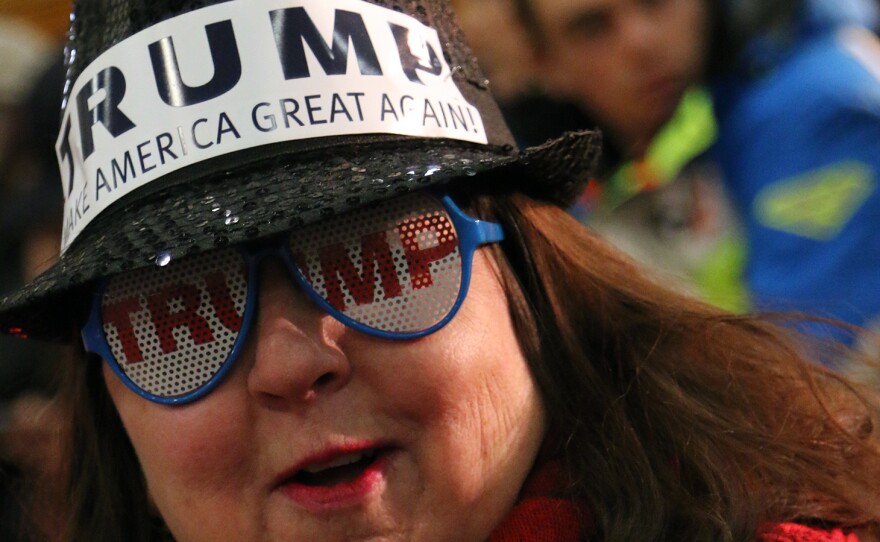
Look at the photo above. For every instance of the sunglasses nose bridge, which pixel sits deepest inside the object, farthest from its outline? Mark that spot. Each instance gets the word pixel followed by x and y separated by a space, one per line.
pixel 276 249
pixel 275 246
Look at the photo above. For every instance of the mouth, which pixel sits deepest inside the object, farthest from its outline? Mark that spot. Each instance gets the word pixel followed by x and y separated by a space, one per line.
pixel 337 479
pixel 344 469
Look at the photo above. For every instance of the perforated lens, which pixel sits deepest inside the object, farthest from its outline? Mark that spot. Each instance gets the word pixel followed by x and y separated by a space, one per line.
pixel 170 329
pixel 395 268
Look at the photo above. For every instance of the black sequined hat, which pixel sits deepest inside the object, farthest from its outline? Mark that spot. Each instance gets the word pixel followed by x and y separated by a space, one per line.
pixel 193 124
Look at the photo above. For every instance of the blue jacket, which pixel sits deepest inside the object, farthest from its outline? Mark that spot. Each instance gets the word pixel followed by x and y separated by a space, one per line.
pixel 799 148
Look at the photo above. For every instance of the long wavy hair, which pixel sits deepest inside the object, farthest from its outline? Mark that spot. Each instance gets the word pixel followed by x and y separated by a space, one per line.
pixel 673 420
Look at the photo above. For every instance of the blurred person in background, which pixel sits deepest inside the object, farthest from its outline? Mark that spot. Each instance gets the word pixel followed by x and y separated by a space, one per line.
pixel 676 220
pixel 795 133
pixel 30 211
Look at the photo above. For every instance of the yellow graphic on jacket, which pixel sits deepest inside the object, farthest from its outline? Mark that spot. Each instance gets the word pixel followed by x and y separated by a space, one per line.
pixel 818 204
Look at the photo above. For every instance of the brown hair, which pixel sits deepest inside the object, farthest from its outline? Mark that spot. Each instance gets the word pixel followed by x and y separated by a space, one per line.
pixel 107 495
pixel 674 420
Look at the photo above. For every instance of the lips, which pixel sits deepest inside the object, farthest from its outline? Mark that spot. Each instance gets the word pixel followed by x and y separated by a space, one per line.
pixel 344 469
pixel 336 478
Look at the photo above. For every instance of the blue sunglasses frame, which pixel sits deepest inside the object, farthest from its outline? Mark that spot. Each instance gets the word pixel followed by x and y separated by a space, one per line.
pixel 471 232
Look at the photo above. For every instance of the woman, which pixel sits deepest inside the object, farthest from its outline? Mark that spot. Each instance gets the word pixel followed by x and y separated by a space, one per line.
pixel 282 348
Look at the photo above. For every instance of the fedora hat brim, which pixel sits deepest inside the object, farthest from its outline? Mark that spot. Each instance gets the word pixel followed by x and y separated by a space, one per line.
pixel 195 210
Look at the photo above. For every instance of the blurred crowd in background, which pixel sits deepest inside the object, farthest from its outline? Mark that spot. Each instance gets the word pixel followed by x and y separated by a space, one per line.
pixel 742 138
pixel 32 35
pixel 742 145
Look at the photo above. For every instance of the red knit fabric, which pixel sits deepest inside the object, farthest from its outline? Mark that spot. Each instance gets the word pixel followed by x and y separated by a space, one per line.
pixel 793 532
pixel 540 519
pixel 543 515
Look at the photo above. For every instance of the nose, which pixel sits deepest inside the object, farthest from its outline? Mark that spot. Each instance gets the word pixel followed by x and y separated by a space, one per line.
pixel 639 33
pixel 294 345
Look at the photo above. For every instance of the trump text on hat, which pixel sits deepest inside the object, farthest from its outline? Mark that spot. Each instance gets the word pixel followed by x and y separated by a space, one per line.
pixel 241 74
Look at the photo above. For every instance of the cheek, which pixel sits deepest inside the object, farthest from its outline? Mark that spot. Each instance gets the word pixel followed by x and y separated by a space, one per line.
pixel 194 458
pixel 471 384
pixel 468 392
pixel 472 362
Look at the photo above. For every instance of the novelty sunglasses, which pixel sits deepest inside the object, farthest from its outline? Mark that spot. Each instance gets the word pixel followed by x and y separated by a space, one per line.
pixel 396 270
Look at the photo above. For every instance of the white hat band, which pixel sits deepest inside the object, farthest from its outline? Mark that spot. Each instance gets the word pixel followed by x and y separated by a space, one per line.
pixel 242 74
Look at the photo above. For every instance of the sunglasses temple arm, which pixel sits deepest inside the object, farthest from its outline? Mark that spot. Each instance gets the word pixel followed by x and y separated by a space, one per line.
pixel 488 232
pixel 485 232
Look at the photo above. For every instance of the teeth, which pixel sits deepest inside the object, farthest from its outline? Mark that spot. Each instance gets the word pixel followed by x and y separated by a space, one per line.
pixel 340 461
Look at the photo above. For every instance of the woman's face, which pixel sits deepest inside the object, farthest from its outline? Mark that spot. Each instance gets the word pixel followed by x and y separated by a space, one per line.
pixel 322 433
pixel 627 61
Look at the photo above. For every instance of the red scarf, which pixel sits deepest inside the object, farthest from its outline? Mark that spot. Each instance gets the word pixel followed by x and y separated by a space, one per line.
pixel 793 532
pixel 544 515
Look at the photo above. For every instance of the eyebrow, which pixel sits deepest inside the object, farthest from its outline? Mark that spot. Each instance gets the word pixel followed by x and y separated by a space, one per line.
pixel 586 17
